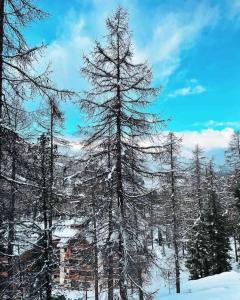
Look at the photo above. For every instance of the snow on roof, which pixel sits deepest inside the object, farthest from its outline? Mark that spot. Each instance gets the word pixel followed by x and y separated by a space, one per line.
pixel 64 234
pixel 28 234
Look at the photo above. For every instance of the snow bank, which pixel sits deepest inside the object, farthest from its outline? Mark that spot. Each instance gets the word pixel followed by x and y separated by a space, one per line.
pixel 224 286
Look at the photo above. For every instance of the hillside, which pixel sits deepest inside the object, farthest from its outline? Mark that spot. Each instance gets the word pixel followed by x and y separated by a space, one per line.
pixel 225 286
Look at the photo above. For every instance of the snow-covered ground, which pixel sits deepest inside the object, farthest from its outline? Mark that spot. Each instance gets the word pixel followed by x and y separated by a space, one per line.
pixel 224 286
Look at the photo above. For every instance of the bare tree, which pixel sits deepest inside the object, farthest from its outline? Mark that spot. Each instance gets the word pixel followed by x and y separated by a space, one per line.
pixel 19 82
pixel 175 197
pixel 121 88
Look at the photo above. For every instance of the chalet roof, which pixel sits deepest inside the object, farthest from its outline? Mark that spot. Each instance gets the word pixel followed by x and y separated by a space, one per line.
pixel 28 234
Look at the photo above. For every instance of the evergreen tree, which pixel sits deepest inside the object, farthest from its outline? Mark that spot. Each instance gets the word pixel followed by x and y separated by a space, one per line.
pixel 217 229
pixel 196 172
pixel 198 258
pixel 208 246
pixel 232 157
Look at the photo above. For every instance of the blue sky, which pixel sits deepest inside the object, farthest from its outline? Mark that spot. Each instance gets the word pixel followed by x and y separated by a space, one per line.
pixel 193 47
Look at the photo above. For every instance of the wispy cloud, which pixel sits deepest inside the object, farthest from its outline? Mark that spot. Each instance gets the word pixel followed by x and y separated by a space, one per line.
pixel 65 54
pixel 167 38
pixel 175 33
pixel 189 90
pixel 213 124
pixel 233 9
pixel 169 35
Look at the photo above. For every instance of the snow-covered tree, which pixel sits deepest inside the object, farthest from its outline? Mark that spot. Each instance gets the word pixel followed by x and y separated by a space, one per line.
pixel 209 245
pixel 174 198
pixel 232 158
pixel 19 82
pixel 197 172
pixel 121 88
pixel 217 227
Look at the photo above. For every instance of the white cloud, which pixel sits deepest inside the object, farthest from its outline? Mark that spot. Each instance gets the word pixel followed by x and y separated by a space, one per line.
pixel 208 139
pixel 186 91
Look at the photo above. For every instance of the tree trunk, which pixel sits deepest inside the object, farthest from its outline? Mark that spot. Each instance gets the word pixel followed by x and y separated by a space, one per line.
pixel 45 207
pixel 20 275
pixel 151 224
pixel 2 278
pixel 11 222
pixel 1 78
pixel 110 256
pixel 122 285
pixel 160 239
pixel 139 263
pixel 140 283
pixel 96 278
pixel 110 232
pixel 50 208
pixel 235 248
pixel 175 225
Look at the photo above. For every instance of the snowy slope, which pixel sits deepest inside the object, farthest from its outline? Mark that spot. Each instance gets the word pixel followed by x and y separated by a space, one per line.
pixel 224 286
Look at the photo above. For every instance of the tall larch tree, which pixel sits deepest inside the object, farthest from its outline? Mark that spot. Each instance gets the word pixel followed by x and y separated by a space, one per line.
pixel 121 88
pixel 174 198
